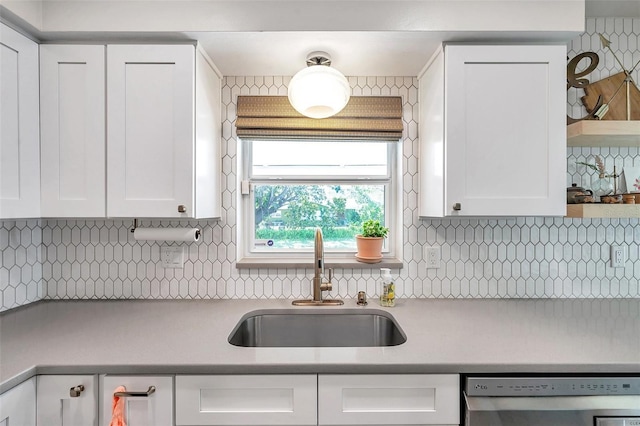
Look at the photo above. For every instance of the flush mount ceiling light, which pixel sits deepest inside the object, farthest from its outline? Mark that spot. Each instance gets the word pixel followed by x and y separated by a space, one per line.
pixel 319 91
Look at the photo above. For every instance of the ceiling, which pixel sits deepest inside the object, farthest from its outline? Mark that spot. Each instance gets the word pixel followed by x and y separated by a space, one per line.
pixel 354 53
pixel 248 46
pixel 389 53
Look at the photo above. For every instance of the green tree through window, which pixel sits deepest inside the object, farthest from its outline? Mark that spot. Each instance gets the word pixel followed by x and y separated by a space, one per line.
pixel 288 214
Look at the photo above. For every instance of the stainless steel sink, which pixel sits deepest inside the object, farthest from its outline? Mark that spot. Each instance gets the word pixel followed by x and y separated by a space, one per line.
pixel 317 328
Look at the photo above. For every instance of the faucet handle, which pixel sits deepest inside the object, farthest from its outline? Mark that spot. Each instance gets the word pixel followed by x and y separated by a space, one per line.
pixel 327 286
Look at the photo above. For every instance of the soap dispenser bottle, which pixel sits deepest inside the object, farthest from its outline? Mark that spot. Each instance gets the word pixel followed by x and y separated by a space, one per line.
pixel 387 288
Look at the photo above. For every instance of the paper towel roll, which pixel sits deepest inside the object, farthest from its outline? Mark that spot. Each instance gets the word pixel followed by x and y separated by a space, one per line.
pixel 167 234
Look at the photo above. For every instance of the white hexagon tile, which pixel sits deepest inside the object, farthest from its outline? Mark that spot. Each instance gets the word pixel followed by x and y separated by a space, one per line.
pixel 21 280
pixel 481 258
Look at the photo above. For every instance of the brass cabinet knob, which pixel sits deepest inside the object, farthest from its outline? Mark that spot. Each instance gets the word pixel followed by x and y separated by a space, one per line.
pixel 182 208
pixel 75 391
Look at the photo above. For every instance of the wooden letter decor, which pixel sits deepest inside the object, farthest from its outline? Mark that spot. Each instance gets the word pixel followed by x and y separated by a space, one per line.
pixel 574 80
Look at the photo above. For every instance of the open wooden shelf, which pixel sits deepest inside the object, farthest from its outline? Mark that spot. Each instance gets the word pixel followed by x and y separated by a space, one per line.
pixel 603 133
pixel 603 210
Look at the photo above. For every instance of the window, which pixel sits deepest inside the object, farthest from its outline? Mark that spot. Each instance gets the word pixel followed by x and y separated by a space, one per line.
pixel 296 186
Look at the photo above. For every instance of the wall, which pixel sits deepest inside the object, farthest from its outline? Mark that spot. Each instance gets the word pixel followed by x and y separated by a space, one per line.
pixel 497 258
pixel 21 280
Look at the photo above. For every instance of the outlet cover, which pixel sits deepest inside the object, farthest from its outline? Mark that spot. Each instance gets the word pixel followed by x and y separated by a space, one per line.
pixel 618 256
pixel 432 257
pixel 172 257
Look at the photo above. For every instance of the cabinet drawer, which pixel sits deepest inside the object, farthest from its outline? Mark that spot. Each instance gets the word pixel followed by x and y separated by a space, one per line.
pixel 388 399
pixel 153 410
pixel 246 400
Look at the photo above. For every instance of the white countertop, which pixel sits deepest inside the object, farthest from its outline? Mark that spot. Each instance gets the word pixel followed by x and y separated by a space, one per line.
pixel 443 336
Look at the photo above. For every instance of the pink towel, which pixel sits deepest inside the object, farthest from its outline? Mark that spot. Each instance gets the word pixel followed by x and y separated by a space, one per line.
pixel 117 410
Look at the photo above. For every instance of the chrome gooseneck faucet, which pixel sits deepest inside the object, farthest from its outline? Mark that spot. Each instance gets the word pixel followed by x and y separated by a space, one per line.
pixel 318 269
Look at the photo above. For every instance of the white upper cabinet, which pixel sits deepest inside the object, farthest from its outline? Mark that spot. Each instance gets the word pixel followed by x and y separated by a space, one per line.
pixel 161 157
pixel 163 141
pixel 493 132
pixel 19 126
pixel 72 103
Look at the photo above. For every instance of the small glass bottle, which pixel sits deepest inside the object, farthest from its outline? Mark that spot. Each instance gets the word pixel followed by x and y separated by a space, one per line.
pixel 602 186
pixel 387 288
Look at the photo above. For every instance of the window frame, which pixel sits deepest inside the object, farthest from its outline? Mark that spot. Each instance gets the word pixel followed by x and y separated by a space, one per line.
pixel 250 258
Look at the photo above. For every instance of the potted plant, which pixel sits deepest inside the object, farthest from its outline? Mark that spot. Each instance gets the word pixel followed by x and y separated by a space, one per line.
pixel 369 242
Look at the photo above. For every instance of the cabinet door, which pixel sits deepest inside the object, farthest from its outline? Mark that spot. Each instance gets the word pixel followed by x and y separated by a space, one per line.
pixel 150 130
pixel 505 150
pixel 208 139
pixel 61 402
pixel 246 400
pixel 73 130
pixel 18 405
pixel 19 132
pixel 155 409
pixel 388 399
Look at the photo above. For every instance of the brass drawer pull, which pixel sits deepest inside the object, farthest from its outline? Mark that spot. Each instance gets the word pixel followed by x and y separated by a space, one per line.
pixel 149 391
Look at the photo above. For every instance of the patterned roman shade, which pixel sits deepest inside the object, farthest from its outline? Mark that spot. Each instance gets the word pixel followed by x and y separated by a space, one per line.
pixel 364 118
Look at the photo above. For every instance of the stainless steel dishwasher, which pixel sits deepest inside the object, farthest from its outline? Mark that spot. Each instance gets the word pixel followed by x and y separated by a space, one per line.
pixel 552 401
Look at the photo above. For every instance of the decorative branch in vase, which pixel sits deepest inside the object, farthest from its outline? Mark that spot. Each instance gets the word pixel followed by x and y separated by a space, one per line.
pixel 602 187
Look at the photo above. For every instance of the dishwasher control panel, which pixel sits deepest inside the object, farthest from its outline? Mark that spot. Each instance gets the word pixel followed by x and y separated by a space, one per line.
pixel 552 386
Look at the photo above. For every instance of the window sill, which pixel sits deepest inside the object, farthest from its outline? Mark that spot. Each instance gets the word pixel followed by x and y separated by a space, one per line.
pixel 307 263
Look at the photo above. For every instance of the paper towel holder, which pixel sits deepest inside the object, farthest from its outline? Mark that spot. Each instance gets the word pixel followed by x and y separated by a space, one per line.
pixel 197 234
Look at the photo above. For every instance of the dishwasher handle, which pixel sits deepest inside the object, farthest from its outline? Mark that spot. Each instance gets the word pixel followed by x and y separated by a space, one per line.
pixel 617 421
pixel 555 403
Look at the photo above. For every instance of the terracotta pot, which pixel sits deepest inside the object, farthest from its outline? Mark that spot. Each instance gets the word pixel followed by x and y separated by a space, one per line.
pixel 369 247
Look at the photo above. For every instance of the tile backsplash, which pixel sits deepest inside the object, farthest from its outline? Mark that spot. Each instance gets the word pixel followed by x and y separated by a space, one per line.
pixel 494 258
pixel 21 279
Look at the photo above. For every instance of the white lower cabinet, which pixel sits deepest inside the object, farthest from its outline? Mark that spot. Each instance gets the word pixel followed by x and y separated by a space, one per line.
pixel 250 400
pixel 18 405
pixel 246 400
pixel 393 399
pixel 142 408
pixel 67 400
pixel 325 399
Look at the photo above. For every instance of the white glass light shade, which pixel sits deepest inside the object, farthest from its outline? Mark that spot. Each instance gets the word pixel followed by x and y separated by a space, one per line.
pixel 319 91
